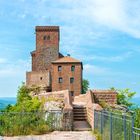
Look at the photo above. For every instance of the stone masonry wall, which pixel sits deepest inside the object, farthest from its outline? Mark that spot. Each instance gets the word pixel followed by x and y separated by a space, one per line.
pixel 107 96
pixel 47 47
pixel 66 73
pixel 38 78
pixel 47 50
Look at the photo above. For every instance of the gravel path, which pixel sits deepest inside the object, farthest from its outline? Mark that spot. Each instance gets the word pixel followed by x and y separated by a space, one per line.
pixel 56 135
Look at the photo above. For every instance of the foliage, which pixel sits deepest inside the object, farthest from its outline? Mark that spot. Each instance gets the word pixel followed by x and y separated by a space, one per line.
pixel 96 134
pixel 104 105
pixel 137 117
pixel 23 117
pixel 124 96
pixel 106 121
pixel 21 123
pixel 27 117
pixel 85 86
pixel 25 103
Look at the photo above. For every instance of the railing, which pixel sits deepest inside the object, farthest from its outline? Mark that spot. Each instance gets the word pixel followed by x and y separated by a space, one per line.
pixel 113 126
pixel 25 123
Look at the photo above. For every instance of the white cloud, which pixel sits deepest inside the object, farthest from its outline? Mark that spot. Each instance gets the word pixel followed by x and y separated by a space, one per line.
pixel 122 15
pixel 117 58
pixel 95 70
pixel 14 69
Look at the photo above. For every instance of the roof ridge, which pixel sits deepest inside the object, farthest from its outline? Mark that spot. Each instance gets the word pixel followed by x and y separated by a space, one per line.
pixel 67 59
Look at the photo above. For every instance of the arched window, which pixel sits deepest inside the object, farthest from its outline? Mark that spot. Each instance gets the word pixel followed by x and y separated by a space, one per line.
pixel 46 37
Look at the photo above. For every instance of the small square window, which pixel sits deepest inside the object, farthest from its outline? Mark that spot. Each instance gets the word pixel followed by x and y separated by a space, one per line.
pixel 46 37
pixel 71 80
pixel 41 78
pixel 60 80
pixel 59 68
pixel 72 68
pixel 72 93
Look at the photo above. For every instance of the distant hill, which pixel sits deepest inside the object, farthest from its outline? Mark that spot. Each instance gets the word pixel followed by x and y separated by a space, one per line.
pixel 12 100
pixel 136 100
pixel 7 100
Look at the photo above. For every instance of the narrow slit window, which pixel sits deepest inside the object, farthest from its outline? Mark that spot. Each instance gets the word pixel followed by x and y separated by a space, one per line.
pixel 71 80
pixel 60 80
pixel 59 68
pixel 46 37
pixel 72 68
pixel 72 93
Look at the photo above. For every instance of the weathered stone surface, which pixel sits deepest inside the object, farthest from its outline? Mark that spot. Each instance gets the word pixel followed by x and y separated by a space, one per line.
pixel 107 96
pixel 53 105
pixel 57 135
pixel 66 73
pixel 43 58
pixel 41 79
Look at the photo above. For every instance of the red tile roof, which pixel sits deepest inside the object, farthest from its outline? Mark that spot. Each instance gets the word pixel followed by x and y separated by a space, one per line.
pixel 67 59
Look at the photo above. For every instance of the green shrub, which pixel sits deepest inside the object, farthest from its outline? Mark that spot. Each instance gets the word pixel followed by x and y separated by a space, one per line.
pixel 96 134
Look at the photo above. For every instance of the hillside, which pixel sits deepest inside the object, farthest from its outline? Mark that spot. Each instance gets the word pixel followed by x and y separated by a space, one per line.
pixel 7 100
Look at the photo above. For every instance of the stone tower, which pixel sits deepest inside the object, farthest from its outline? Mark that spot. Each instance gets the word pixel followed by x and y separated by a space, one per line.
pixel 47 50
pixel 47 47
pixel 50 69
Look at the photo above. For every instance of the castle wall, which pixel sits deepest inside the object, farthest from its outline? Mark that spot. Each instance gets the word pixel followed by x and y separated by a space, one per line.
pixel 66 74
pixel 106 96
pixel 38 78
pixel 47 47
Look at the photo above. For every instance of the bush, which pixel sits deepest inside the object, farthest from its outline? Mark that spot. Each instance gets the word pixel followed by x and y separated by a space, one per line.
pixel 25 117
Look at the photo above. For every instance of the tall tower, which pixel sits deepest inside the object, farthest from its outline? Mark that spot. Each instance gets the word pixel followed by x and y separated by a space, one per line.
pixel 47 47
pixel 47 50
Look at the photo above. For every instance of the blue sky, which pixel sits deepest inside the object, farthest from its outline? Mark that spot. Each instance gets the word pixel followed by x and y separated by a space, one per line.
pixel 103 34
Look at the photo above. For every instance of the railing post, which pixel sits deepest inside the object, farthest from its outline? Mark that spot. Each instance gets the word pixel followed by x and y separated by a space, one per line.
pixel 101 123
pixel 94 119
pixel 132 129
pixel 110 125
pixel 124 126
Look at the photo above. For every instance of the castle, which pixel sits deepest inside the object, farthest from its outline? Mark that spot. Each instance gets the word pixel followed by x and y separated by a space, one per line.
pixel 50 69
pixel 61 77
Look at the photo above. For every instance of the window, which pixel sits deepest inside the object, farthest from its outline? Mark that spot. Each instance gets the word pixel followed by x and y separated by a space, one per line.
pixel 72 68
pixel 46 37
pixel 71 80
pixel 59 68
pixel 41 78
pixel 60 80
pixel 72 93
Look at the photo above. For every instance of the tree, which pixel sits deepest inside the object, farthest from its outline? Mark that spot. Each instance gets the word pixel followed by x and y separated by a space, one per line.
pixel 124 97
pixel 85 86
pixel 25 103
pixel 137 117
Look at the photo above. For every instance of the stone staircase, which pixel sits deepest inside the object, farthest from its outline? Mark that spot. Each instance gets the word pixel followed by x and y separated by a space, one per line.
pixel 80 119
pixel 79 113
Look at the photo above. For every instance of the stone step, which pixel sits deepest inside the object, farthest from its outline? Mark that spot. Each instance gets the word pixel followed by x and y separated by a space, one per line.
pixel 82 129
pixel 81 126
pixel 77 110
pixel 80 115
pixel 79 107
pixel 79 119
